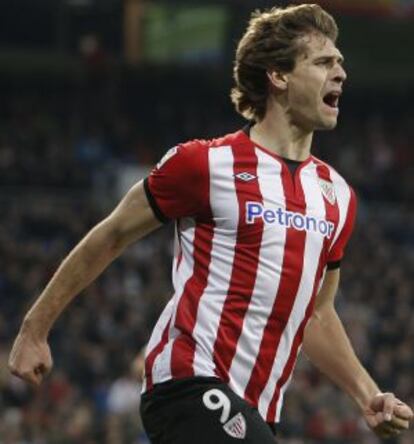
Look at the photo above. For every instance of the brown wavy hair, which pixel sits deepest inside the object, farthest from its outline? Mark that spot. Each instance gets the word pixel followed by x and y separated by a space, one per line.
pixel 271 41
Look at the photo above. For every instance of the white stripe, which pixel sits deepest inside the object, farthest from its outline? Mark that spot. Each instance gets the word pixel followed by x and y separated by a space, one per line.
pixel 186 268
pixel 162 364
pixel 282 395
pixel 156 335
pixel 223 201
pixel 267 278
pixel 161 370
pixel 343 196
pixel 177 249
pixel 313 246
pixel 159 328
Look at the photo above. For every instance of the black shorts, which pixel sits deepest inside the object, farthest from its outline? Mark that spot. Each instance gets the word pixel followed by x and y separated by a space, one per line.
pixel 201 411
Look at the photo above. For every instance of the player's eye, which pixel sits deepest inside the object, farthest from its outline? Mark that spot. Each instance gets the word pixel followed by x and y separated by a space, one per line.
pixel 324 62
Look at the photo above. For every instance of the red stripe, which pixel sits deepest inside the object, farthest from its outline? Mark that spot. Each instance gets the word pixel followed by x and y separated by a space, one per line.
pixel 179 258
pixel 271 413
pixel 183 349
pixel 246 258
pixel 149 361
pixel 331 214
pixel 286 294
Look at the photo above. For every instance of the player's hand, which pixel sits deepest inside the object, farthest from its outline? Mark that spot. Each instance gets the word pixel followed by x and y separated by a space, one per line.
pixel 387 416
pixel 30 358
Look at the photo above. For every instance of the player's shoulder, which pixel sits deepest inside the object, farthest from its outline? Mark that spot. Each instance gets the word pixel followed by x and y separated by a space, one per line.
pixel 200 145
pixel 193 154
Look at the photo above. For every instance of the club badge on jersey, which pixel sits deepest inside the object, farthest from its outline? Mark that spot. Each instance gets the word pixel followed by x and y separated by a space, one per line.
pixel 328 191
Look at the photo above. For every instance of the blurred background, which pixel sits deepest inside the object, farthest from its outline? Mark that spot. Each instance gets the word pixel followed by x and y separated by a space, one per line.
pixel 93 92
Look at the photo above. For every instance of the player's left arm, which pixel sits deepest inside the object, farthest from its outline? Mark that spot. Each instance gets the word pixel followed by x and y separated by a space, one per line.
pixel 328 347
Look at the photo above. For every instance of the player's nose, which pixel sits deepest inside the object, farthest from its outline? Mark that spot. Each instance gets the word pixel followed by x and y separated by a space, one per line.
pixel 339 74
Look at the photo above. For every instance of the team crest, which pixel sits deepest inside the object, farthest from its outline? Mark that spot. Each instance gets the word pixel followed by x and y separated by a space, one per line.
pixel 328 191
pixel 236 427
pixel 167 156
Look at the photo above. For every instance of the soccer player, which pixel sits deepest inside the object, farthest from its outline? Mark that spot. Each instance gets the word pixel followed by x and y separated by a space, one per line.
pixel 261 228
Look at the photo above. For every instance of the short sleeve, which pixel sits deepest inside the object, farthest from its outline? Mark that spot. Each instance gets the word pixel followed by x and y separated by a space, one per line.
pixel 337 250
pixel 178 186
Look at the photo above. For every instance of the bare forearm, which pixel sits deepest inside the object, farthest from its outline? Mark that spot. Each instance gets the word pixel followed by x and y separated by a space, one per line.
pixel 86 261
pixel 328 347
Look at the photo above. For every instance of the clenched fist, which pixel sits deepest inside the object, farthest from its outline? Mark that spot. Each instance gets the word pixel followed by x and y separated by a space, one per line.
pixel 30 358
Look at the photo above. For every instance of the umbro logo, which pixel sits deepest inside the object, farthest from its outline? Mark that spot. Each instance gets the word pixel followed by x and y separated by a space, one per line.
pixel 245 176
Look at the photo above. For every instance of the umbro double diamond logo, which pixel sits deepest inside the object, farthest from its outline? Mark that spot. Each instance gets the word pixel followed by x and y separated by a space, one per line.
pixel 245 176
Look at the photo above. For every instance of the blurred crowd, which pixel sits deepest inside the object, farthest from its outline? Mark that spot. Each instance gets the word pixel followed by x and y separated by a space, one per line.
pixel 57 154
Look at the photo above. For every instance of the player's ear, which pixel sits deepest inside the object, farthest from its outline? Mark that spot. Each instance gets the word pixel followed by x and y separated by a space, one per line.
pixel 277 79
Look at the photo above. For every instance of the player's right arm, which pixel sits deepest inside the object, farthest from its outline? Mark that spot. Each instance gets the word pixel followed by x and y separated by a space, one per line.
pixel 133 218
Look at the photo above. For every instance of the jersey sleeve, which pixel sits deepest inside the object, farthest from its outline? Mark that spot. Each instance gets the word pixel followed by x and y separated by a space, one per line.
pixel 178 186
pixel 337 250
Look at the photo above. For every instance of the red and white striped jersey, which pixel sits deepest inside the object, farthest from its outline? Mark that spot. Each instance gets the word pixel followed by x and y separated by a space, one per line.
pixel 252 244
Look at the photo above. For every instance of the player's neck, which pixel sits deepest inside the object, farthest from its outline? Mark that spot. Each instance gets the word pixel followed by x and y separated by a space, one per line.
pixel 277 134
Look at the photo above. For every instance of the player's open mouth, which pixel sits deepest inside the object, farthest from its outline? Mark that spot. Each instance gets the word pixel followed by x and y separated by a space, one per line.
pixel 332 99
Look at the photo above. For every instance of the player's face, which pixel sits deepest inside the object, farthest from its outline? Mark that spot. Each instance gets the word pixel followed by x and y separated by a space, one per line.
pixel 314 86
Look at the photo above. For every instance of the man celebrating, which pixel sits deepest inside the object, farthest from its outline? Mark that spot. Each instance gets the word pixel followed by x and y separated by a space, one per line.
pixel 261 228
